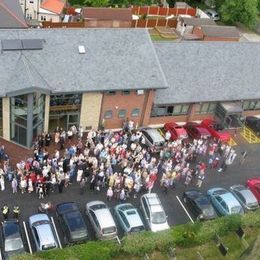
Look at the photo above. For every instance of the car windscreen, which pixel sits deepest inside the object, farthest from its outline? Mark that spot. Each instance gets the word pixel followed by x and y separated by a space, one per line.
pixel 109 230
pixel 137 229
pixel 235 210
pixel 98 206
pixel 48 246
pixel 158 217
pixel 13 244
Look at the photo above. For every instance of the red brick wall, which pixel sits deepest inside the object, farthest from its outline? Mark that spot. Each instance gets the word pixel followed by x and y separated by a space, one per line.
pixel 128 102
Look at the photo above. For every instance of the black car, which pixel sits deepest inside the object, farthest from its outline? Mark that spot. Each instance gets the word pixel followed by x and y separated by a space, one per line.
pixel 72 223
pixel 12 238
pixel 253 123
pixel 199 204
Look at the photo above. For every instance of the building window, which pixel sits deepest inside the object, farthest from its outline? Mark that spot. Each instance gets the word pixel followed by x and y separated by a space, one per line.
pixel 170 110
pixel 135 112
pixel 251 105
pixel 122 113
pixel 206 108
pixel 126 92
pixel 111 93
pixel 108 114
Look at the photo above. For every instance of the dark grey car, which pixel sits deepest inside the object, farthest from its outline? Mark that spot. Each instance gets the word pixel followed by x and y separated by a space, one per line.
pixel 12 238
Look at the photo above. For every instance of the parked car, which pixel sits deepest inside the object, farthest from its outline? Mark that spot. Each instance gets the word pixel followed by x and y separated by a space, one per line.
pixel 212 14
pixel 254 186
pixel 154 212
pixel 245 196
pixel 253 123
pixel 224 201
pixel 101 219
pixel 72 223
pixel 42 231
pixel 153 139
pixel 213 128
pixel 12 238
pixel 199 205
pixel 196 131
pixel 129 218
pixel 177 131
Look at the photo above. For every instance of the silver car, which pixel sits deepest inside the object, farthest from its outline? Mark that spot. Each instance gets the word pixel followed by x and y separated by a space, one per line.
pixel 245 197
pixel 154 212
pixel 129 218
pixel 42 231
pixel 101 219
pixel 153 139
pixel 212 14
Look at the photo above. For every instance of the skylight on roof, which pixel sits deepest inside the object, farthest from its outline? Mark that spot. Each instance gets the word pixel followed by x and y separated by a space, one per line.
pixel 82 49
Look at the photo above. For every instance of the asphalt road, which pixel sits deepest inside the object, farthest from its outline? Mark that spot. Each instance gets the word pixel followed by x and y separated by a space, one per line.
pixel 235 174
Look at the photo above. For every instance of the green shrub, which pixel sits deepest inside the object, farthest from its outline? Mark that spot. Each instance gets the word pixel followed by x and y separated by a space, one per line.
pixel 251 219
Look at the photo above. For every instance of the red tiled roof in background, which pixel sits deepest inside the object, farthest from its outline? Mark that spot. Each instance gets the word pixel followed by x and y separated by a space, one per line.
pixel 119 14
pixel 55 6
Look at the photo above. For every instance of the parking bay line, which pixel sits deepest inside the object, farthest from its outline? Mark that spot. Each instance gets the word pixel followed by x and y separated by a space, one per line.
pixel 52 220
pixel 185 209
pixel 27 237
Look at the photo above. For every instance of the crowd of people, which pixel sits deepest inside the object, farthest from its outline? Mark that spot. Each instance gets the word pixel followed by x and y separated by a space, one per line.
pixel 119 163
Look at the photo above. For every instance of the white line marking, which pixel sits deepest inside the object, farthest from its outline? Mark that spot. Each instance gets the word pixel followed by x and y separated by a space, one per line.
pixel 52 220
pixel 27 237
pixel 185 209
pixel 118 240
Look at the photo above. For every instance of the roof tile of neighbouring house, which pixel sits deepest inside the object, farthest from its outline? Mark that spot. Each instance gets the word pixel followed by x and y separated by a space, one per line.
pixel 209 71
pixel 119 14
pixel 220 31
pixel 55 6
pixel 11 14
pixel 197 21
pixel 115 59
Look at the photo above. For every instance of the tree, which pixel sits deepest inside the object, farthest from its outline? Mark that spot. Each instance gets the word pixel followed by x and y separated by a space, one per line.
pixel 96 3
pixel 243 11
pixel 258 6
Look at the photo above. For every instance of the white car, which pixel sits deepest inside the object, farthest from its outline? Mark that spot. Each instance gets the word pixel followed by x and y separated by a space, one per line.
pixel 101 219
pixel 42 232
pixel 154 212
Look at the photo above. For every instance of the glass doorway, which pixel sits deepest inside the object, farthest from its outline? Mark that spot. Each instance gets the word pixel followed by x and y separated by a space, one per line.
pixel 64 121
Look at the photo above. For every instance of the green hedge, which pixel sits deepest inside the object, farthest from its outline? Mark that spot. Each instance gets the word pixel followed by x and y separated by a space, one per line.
pixel 187 235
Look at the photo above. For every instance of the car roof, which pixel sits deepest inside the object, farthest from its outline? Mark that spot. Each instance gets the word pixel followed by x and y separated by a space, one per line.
pixel 74 220
pixel 11 229
pixel 105 218
pixel 131 214
pixel 230 199
pixel 95 202
pixel 248 195
pixel 155 135
pixel 154 202
pixel 45 234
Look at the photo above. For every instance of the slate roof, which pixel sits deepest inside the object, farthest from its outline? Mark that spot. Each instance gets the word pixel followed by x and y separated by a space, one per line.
pixel 119 14
pixel 220 31
pixel 209 71
pixel 11 14
pixel 115 59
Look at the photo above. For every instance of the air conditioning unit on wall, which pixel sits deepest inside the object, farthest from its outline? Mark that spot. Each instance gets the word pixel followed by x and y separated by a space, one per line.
pixel 140 92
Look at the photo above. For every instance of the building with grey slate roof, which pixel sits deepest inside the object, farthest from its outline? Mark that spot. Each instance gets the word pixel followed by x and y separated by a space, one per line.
pixel 11 15
pixel 100 77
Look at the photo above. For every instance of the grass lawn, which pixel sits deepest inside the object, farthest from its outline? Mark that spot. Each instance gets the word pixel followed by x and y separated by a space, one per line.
pixel 160 38
pixel 209 250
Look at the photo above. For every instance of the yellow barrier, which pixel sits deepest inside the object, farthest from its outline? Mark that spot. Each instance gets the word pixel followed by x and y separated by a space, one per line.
pixel 250 136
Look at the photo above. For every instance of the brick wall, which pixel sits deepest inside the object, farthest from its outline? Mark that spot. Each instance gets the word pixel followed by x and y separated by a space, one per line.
pixel 127 102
